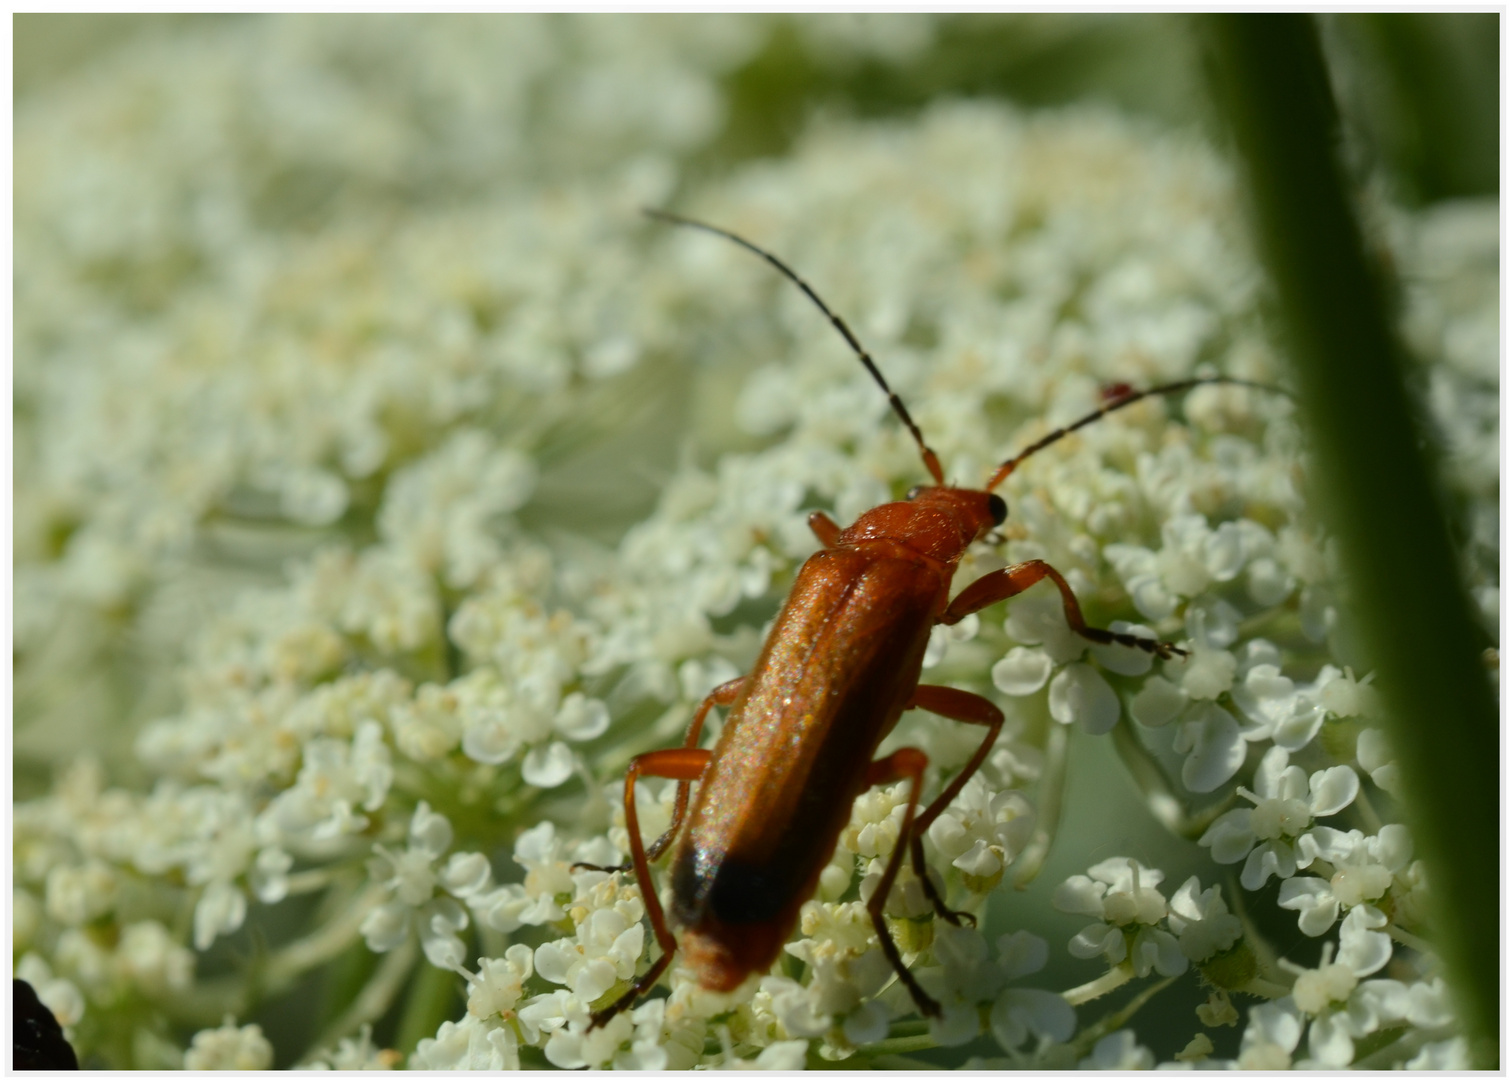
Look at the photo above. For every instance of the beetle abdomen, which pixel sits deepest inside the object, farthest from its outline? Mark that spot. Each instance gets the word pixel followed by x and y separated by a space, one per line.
pixel 837 669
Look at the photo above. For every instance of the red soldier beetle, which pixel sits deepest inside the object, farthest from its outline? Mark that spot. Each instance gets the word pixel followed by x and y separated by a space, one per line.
pixel 841 663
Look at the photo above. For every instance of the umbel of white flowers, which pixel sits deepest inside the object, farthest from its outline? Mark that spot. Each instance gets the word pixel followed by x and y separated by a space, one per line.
pixel 442 668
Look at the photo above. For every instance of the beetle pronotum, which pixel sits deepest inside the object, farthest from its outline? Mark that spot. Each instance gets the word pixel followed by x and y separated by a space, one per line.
pixel 839 667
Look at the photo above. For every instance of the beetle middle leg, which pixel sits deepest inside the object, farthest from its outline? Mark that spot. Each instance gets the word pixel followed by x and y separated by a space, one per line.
pixel 1007 582
pixel 684 764
pixel 723 695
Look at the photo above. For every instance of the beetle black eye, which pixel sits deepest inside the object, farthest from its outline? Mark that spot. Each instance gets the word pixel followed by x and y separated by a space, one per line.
pixel 997 508
pixel 916 490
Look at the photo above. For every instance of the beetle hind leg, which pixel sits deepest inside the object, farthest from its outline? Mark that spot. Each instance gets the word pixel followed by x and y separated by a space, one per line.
pixel 686 764
pixel 721 695
pixel 967 708
pixel 954 916
pixel 905 763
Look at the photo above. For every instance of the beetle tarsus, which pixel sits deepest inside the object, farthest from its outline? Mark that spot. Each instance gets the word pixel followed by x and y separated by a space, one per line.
pixel 602 1016
pixel 958 918
pixel 926 1005
pixel 948 914
pixel 619 868
pixel 639 988
pixel 1167 650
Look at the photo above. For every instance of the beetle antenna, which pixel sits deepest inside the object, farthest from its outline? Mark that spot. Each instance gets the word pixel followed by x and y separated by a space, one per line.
pixel 1120 400
pixel 929 458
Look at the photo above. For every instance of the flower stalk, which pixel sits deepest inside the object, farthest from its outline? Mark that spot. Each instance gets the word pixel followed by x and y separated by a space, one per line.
pixel 1113 979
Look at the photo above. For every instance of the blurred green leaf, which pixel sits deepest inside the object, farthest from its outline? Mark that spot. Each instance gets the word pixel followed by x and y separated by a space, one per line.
pixel 1378 487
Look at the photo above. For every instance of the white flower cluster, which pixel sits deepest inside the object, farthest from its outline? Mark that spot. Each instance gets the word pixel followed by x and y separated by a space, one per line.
pixel 229 1047
pixel 308 355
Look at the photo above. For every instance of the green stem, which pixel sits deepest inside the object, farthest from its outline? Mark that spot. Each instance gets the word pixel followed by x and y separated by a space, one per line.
pixel 433 998
pixel 1163 802
pixel 308 881
pixel 1267 959
pixel 907 1028
pixel 1405 938
pixel 1400 1050
pixel 1263 988
pixel 1087 1038
pixel 211 999
pixel 1050 806
pixel 1371 820
pixel 375 998
pixel 326 943
pixel 1376 481
pixel 905 1044
pixel 1114 979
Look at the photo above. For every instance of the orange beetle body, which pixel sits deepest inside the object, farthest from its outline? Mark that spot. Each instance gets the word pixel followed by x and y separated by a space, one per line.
pixel 840 666
pixel 836 673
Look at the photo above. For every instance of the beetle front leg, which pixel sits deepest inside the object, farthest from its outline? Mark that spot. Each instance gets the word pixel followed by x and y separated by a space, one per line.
pixel 967 708
pixel 685 764
pixel 1007 582
pixel 906 763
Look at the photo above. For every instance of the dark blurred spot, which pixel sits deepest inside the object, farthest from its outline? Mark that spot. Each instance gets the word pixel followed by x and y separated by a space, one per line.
pixel 37 1041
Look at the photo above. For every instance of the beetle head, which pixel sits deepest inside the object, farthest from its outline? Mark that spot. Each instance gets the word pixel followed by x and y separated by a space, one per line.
pixel 982 509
